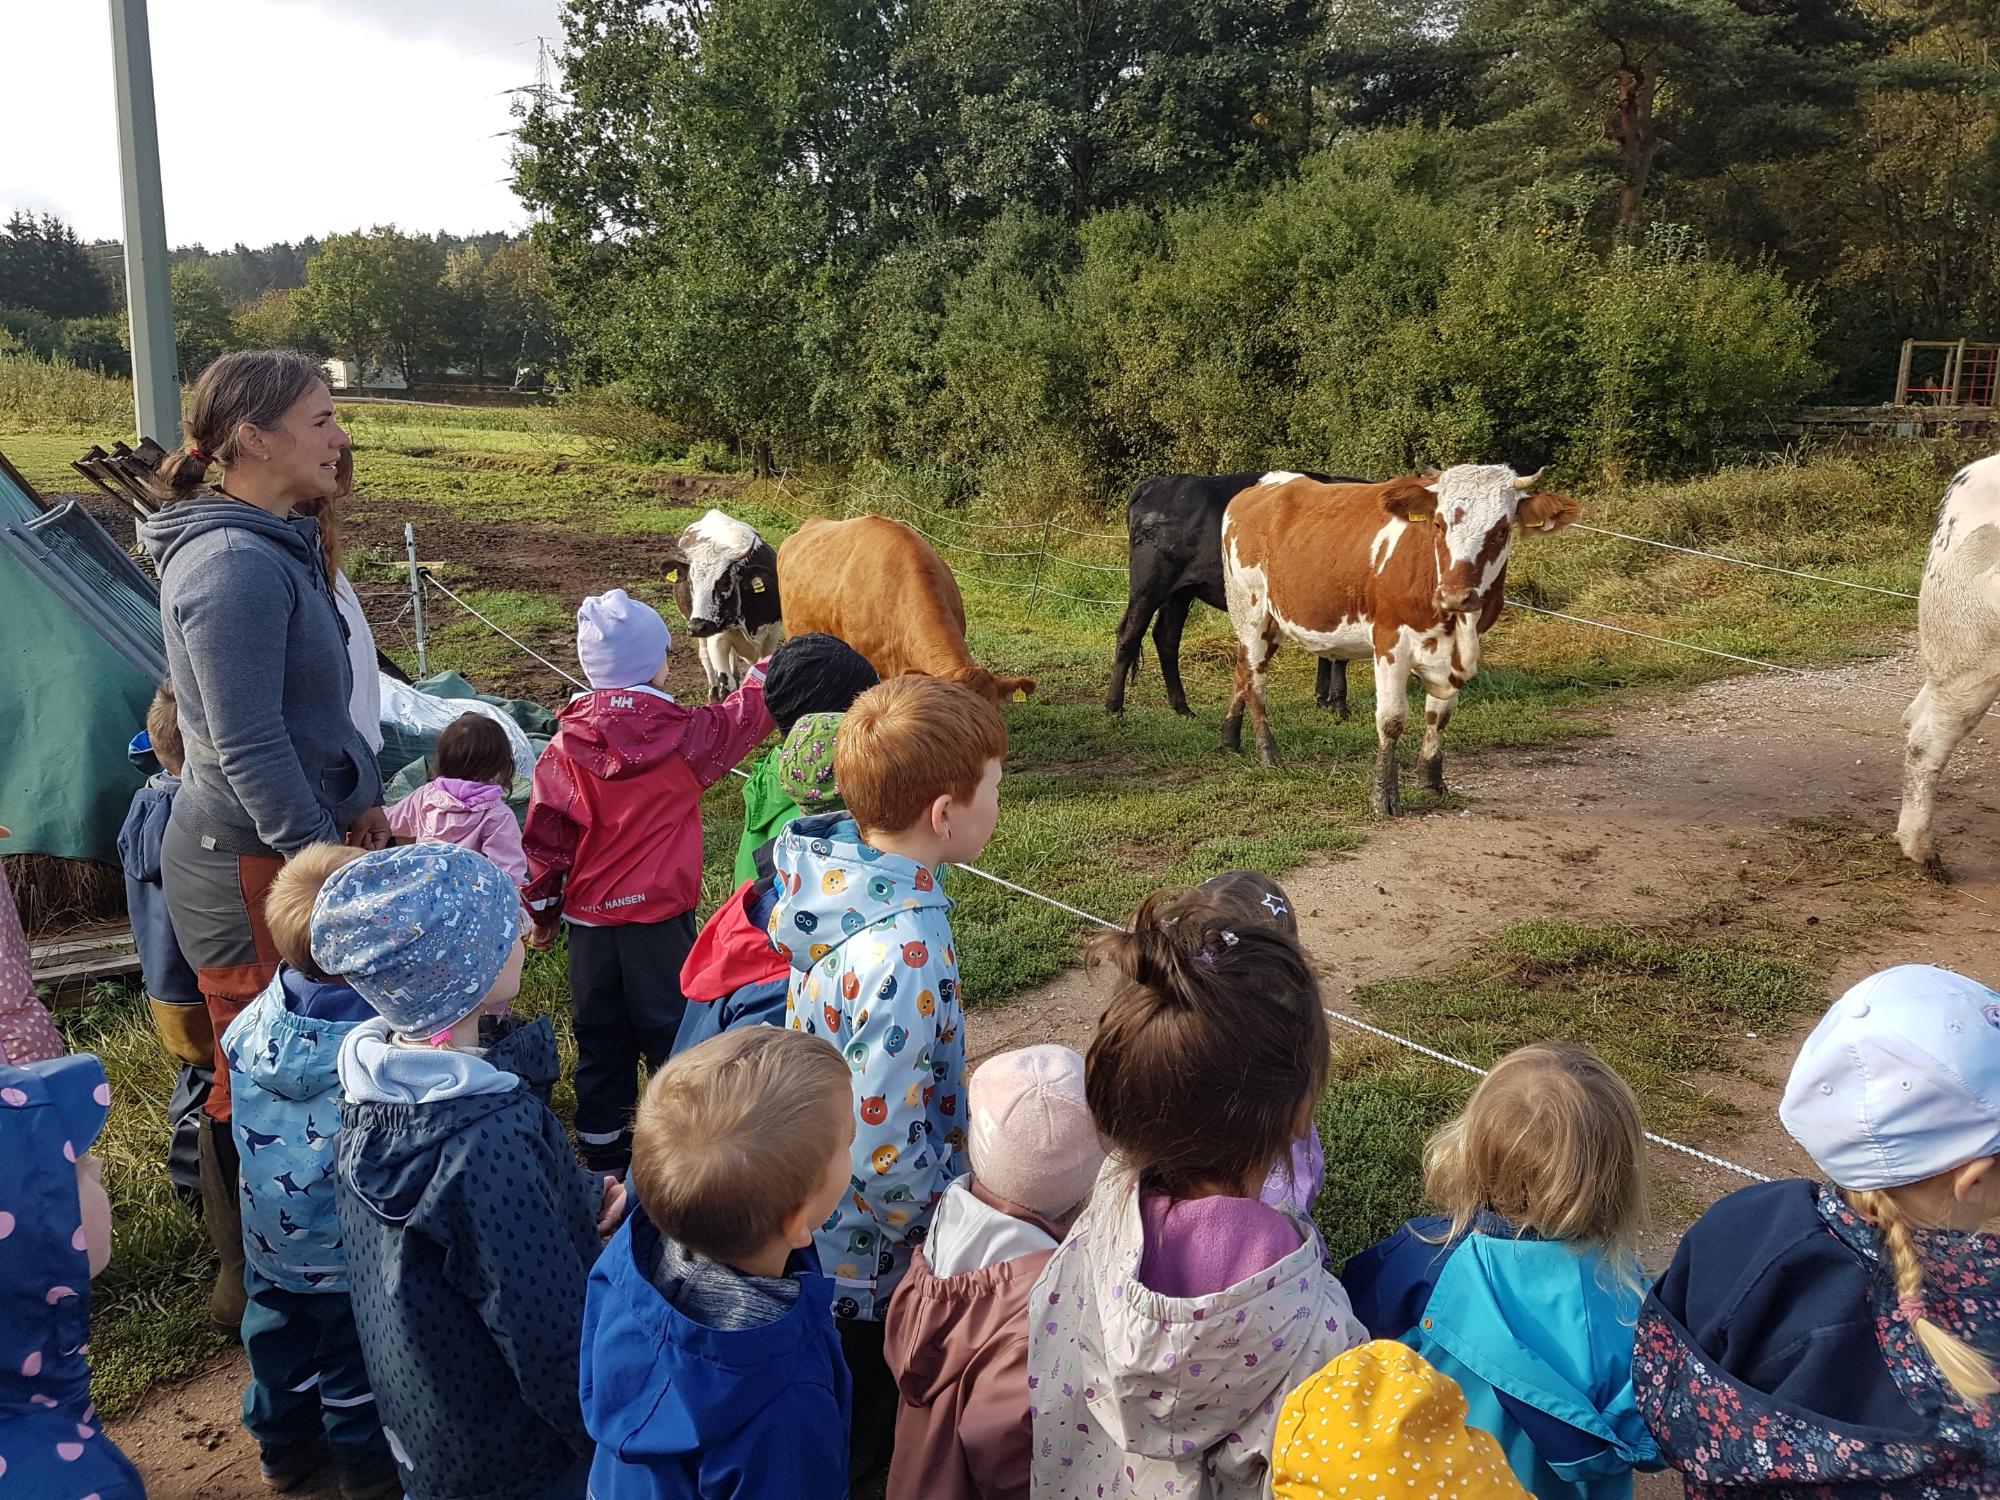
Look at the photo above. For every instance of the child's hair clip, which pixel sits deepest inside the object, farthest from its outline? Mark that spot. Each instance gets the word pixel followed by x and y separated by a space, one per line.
pixel 1206 958
pixel 439 1038
pixel 1229 937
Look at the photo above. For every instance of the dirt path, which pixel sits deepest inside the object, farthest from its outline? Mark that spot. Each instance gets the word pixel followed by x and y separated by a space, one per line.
pixel 1681 798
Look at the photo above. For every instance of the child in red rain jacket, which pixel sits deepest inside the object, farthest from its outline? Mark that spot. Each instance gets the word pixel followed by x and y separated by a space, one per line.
pixel 613 839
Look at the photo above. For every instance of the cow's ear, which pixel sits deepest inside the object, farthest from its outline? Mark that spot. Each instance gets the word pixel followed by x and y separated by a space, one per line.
pixel 677 561
pixel 1545 511
pixel 1409 499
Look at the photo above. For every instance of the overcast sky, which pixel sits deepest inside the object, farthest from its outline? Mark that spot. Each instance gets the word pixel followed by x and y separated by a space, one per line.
pixel 278 118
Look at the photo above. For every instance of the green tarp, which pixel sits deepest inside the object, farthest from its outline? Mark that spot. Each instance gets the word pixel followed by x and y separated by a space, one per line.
pixel 69 705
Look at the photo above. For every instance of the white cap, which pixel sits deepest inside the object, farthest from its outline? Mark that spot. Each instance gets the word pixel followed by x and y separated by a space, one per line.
pixel 1032 1140
pixel 1900 1080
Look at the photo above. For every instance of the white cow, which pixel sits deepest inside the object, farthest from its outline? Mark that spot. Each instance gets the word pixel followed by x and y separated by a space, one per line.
pixel 1958 632
pixel 725 579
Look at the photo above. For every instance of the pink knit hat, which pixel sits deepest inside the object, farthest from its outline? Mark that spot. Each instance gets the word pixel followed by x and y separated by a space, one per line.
pixel 1032 1140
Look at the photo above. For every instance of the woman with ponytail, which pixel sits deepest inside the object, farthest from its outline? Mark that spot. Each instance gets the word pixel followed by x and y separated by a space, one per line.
pixel 262 679
pixel 1168 1328
pixel 1838 1337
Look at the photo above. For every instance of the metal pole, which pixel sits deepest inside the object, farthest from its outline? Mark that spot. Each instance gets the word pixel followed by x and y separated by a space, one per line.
pixel 156 392
pixel 416 597
pixel 1903 373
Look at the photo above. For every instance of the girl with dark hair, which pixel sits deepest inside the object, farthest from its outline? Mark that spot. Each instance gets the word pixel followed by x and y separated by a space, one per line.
pixel 465 802
pixel 261 675
pixel 1183 1308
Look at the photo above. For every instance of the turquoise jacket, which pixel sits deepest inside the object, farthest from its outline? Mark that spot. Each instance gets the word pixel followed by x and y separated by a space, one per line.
pixel 1537 1333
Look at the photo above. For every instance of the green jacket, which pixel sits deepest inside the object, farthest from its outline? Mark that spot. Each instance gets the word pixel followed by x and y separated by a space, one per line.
pixel 766 811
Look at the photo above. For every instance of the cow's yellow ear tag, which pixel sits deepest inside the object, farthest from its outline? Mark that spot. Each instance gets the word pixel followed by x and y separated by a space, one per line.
pixel 756 585
pixel 672 574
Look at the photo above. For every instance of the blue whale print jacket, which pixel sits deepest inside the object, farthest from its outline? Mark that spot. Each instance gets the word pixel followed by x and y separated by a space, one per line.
pixel 868 938
pixel 283 1053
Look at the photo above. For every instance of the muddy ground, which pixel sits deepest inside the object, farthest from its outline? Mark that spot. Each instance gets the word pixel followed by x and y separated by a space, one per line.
pixel 1680 798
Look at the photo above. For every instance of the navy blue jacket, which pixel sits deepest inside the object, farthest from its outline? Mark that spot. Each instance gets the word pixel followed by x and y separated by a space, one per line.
pixel 167 974
pixel 470 1233
pixel 1771 1360
pixel 683 1410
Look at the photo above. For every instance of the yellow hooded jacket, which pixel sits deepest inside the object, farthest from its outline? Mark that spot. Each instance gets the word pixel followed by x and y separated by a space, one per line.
pixel 1379 1421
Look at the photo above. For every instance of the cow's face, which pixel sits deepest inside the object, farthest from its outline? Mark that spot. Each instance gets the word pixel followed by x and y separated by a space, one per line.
pixel 726 577
pixel 1474 511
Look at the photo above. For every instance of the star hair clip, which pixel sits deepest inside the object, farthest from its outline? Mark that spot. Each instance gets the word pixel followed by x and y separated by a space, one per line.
pixel 1207 955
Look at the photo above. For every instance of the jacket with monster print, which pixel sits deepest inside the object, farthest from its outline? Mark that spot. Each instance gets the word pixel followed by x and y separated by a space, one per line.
pixel 868 938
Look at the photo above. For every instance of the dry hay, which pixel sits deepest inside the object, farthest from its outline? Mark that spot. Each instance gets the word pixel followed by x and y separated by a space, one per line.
pixel 54 895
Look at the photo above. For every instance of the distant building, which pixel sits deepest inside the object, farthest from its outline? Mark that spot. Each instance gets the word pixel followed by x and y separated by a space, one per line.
pixel 345 375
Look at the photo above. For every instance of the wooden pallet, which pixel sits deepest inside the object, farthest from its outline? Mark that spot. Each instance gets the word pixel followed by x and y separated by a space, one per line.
pixel 67 965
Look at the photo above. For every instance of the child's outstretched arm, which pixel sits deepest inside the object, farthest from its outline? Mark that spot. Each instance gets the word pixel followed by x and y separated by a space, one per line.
pixel 723 733
pixel 549 841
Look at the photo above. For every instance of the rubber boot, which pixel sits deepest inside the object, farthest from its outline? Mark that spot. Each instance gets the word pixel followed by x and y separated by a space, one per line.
pixel 222 1215
pixel 185 1031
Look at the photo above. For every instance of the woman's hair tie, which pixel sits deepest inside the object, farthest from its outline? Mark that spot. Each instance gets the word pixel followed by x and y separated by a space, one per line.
pixel 1910 1307
pixel 198 456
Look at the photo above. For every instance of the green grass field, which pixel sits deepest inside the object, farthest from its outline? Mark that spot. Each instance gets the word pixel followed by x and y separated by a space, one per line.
pixel 1098 811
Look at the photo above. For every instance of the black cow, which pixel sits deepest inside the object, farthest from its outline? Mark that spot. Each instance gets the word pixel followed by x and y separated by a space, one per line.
pixel 1173 526
pixel 725 579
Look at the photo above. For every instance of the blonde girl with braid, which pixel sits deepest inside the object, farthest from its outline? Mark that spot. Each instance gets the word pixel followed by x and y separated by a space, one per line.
pixel 1840 1337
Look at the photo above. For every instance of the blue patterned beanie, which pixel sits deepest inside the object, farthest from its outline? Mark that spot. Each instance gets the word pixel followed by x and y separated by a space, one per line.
pixel 420 930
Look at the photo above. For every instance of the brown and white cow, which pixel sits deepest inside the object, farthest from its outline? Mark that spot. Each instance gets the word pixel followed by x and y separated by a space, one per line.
pixel 1409 573
pixel 879 586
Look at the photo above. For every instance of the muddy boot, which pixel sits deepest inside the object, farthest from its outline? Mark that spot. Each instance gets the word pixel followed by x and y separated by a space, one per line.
pixel 222 1216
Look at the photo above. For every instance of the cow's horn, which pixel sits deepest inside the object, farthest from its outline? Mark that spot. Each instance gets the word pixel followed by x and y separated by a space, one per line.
pixel 1527 482
pixel 1429 471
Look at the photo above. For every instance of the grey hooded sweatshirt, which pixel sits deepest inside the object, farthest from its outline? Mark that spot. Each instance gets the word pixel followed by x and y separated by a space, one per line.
pixel 259 662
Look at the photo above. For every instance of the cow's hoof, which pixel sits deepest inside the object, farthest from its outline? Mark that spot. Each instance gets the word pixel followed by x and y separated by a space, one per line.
pixel 1434 779
pixel 1934 869
pixel 1267 757
pixel 1114 708
pixel 1385 804
pixel 1183 710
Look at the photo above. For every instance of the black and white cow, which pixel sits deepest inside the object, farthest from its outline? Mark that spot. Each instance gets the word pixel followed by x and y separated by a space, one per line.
pixel 725 579
pixel 1173 527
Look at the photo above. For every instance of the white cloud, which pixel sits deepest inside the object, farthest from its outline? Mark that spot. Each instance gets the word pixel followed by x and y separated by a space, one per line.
pixel 277 118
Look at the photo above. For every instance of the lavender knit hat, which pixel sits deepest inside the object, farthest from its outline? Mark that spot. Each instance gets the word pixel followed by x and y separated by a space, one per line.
pixel 420 930
pixel 620 641
pixel 1032 1140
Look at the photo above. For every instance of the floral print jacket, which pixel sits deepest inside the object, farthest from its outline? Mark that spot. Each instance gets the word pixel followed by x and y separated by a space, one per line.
pixel 1732 1439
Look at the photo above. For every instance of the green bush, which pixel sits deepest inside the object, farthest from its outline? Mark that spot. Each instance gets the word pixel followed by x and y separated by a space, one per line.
pixel 95 344
pixel 42 393
pixel 1687 352
pixel 1359 318
pixel 632 430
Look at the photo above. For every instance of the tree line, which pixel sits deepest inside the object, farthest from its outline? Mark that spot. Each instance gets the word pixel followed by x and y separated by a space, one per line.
pixel 1071 238
pixel 415 304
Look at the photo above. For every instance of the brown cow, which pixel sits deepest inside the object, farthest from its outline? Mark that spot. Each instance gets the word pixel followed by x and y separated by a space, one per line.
pixel 1409 572
pixel 879 586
